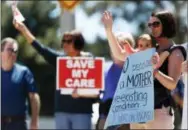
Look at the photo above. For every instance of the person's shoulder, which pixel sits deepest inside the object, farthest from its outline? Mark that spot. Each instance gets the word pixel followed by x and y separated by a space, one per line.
pixel 21 67
pixel 178 49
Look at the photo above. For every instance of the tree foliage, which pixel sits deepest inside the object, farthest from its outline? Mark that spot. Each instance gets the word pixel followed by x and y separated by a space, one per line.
pixel 139 11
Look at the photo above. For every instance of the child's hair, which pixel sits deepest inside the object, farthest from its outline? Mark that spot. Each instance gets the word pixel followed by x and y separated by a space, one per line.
pixel 148 37
pixel 125 37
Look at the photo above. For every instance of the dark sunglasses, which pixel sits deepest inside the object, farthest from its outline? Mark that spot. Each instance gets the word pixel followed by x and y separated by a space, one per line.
pixel 154 24
pixel 11 50
pixel 67 41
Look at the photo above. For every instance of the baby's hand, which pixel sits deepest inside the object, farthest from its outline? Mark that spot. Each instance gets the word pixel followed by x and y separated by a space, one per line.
pixel 155 61
pixel 184 67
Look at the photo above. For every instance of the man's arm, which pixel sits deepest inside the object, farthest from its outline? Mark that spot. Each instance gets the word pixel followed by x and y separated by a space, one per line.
pixel 35 109
pixel 49 54
pixel 31 90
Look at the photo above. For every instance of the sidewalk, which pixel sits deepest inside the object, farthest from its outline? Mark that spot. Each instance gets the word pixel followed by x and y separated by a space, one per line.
pixel 49 122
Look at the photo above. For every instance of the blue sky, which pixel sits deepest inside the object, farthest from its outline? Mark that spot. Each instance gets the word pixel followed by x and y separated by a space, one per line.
pixel 91 26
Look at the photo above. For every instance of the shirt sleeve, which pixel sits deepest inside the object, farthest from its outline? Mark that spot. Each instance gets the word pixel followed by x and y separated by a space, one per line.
pixel 49 54
pixel 30 82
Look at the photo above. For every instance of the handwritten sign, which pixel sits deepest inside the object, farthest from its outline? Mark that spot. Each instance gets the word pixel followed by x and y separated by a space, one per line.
pixel 134 97
pixel 16 13
pixel 83 73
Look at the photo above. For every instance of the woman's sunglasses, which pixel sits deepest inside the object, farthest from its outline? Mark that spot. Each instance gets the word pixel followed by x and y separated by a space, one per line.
pixel 11 50
pixel 154 24
pixel 67 41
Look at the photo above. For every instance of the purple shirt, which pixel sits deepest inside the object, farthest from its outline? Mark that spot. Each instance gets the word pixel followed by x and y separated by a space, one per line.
pixel 112 76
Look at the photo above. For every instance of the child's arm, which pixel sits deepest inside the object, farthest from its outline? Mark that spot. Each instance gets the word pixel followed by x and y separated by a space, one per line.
pixel 129 49
pixel 162 58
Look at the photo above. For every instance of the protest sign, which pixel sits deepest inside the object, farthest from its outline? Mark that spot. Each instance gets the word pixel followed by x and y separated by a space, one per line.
pixel 16 13
pixel 82 73
pixel 134 97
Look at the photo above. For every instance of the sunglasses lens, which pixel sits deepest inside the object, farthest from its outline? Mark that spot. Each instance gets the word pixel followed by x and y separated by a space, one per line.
pixel 154 24
pixel 11 50
pixel 149 25
pixel 67 41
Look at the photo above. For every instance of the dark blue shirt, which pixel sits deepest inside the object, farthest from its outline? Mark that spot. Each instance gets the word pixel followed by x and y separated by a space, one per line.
pixel 15 86
pixel 179 89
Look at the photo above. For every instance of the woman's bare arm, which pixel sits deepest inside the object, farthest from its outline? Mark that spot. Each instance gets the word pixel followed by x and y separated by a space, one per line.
pixel 174 70
pixel 113 43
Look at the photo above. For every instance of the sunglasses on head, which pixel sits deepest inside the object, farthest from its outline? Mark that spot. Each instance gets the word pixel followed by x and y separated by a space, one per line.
pixel 154 24
pixel 11 50
pixel 67 41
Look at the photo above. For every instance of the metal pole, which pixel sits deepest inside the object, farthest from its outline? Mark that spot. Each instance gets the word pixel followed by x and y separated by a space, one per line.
pixel 67 21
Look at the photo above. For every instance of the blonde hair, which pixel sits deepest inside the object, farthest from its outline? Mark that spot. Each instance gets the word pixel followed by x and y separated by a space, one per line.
pixel 145 37
pixel 149 38
pixel 9 40
pixel 125 37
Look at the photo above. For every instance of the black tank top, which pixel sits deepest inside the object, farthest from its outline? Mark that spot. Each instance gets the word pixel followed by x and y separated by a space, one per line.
pixel 162 95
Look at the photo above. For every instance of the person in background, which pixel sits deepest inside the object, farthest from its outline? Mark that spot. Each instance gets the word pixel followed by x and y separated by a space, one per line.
pixel 17 85
pixel 178 96
pixel 71 111
pixel 185 78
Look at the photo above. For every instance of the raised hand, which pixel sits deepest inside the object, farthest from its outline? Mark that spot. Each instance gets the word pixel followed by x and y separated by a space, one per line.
pixel 24 30
pixel 19 25
pixel 107 20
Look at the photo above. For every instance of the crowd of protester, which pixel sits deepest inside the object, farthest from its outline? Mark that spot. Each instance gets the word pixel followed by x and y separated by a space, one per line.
pixel 75 111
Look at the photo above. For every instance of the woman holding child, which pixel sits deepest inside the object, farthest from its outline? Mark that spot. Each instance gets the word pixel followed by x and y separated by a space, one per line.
pixel 163 28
